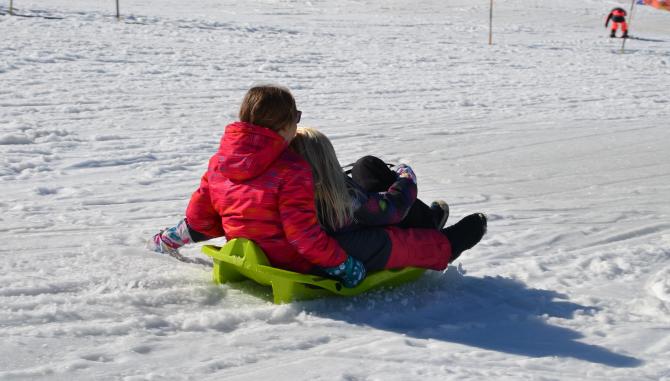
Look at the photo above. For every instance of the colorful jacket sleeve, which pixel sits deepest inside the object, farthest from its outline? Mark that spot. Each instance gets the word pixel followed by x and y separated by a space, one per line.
pixel 201 215
pixel 387 208
pixel 299 220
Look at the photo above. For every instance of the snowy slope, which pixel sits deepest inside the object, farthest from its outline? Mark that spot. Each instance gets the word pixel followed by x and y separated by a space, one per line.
pixel 106 127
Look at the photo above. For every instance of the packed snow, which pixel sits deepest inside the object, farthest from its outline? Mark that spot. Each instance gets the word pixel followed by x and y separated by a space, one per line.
pixel 557 134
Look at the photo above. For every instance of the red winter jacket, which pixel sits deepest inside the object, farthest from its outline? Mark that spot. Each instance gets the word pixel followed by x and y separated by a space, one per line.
pixel 256 188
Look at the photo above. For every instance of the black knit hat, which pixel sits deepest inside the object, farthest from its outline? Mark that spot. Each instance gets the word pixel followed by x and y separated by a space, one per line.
pixel 372 174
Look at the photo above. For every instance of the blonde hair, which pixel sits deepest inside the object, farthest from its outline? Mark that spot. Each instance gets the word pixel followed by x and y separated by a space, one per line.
pixel 330 189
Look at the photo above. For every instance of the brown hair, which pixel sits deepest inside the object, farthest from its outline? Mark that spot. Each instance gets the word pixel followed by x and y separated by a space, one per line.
pixel 269 106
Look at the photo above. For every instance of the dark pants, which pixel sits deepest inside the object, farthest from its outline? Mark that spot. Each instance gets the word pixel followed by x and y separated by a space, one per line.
pixel 392 247
pixel 372 246
pixel 373 175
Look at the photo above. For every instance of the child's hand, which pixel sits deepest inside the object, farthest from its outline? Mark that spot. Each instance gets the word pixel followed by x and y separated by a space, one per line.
pixel 169 241
pixel 404 170
pixel 351 272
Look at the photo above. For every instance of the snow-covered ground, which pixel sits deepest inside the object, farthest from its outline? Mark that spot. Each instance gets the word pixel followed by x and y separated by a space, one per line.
pixel 106 127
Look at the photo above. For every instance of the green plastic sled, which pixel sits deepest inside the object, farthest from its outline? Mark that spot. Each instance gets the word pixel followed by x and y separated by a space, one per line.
pixel 240 259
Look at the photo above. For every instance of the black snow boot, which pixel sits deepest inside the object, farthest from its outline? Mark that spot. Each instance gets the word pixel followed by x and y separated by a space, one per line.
pixel 613 34
pixel 625 34
pixel 440 210
pixel 465 234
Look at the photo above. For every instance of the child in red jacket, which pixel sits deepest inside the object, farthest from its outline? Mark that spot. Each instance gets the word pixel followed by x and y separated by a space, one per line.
pixel 258 189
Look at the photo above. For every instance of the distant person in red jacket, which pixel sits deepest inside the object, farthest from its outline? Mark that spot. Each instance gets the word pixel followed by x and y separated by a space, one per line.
pixel 618 18
pixel 255 187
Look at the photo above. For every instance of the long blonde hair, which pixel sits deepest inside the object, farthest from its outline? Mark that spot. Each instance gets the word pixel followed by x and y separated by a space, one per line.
pixel 330 189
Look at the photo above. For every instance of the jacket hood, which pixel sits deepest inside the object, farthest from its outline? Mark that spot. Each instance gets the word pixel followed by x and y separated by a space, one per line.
pixel 247 150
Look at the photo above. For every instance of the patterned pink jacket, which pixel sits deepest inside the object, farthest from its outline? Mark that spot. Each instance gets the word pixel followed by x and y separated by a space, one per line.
pixel 258 189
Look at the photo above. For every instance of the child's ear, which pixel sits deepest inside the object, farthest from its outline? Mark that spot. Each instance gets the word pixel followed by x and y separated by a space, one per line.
pixel 288 131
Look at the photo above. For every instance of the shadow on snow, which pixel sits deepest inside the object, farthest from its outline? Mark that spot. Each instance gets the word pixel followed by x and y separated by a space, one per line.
pixel 493 313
